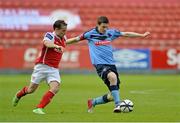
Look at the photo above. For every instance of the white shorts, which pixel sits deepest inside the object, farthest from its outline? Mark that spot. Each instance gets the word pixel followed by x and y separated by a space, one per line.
pixel 44 72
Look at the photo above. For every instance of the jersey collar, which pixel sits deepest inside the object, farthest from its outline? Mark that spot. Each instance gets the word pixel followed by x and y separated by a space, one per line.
pixel 57 36
pixel 96 28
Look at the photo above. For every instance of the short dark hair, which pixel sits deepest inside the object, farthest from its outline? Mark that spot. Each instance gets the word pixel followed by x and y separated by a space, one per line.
pixel 102 19
pixel 59 24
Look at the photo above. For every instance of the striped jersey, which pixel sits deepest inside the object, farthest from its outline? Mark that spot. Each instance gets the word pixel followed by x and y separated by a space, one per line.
pixel 100 47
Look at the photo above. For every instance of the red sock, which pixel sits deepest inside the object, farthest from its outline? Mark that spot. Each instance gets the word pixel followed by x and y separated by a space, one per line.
pixel 22 93
pixel 45 99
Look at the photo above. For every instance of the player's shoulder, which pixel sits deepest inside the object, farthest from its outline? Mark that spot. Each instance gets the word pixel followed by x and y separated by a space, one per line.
pixel 90 31
pixel 113 29
pixel 49 35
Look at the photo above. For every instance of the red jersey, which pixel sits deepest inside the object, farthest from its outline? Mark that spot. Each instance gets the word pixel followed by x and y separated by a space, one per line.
pixel 51 56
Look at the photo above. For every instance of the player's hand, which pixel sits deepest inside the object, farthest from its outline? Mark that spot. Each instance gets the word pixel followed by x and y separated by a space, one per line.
pixel 146 34
pixel 59 48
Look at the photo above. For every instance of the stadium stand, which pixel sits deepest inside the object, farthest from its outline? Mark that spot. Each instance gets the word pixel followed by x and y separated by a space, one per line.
pixel 160 17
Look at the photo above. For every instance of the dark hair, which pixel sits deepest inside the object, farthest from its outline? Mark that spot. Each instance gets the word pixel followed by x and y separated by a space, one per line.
pixel 59 24
pixel 102 19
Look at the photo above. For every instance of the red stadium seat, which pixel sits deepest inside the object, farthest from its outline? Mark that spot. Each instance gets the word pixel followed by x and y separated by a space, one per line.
pixel 160 17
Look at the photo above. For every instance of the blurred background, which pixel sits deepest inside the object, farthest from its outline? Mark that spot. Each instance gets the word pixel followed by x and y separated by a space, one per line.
pixel 23 24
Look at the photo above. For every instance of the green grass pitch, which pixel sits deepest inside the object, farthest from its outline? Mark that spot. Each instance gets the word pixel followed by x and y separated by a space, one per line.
pixel 155 98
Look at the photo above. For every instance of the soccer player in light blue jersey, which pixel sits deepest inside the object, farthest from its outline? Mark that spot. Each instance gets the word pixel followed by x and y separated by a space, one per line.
pixel 101 54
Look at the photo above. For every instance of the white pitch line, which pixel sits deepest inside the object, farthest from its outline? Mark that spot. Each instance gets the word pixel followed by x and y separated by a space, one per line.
pixel 146 91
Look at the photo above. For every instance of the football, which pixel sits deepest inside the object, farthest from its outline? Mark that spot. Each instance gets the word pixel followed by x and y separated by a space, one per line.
pixel 126 106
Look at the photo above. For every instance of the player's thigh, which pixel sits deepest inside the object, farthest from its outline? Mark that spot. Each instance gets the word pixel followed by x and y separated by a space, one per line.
pixel 53 79
pixel 53 75
pixel 112 77
pixel 115 80
pixel 39 73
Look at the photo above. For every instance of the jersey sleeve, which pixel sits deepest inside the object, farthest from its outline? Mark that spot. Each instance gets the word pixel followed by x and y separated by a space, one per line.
pixel 48 37
pixel 116 34
pixel 84 36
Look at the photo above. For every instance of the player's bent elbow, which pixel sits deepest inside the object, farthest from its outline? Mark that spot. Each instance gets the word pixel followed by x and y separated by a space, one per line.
pixel 46 43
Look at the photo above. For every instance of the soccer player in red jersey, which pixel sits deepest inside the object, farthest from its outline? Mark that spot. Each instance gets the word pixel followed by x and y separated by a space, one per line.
pixel 46 67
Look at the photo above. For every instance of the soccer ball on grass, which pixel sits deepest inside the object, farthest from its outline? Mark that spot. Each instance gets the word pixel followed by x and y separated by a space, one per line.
pixel 126 106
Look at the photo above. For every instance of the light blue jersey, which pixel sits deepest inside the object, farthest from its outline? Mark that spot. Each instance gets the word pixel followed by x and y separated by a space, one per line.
pixel 100 47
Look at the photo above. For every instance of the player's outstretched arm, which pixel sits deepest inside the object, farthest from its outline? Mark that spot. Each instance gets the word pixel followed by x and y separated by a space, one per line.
pixel 134 34
pixel 72 40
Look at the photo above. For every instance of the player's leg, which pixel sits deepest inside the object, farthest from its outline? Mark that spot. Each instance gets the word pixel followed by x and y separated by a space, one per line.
pixel 53 79
pixel 109 75
pixel 99 100
pixel 54 87
pixel 112 82
pixel 47 97
pixel 114 88
pixel 102 71
pixel 25 90
pixel 36 77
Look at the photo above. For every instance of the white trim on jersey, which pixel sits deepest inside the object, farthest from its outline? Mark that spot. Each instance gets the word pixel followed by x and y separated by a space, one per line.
pixel 45 55
pixel 47 39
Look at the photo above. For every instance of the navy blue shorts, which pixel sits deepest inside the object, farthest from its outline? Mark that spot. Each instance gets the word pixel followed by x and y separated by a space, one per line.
pixel 103 70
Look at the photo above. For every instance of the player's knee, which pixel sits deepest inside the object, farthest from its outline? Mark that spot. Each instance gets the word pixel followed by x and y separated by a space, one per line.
pixel 112 78
pixel 31 90
pixel 54 89
pixel 110 97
